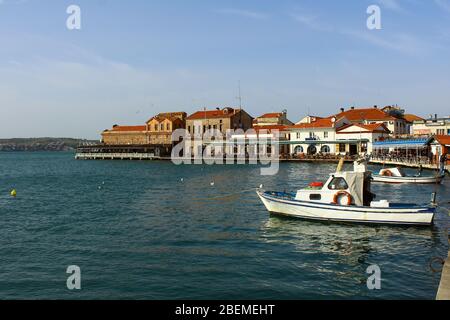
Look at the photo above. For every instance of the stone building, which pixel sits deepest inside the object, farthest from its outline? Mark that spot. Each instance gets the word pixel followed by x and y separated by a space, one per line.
pixel 125 135
pixel 157 131
pixel 161 126
pixel 220 119
pixel 272 119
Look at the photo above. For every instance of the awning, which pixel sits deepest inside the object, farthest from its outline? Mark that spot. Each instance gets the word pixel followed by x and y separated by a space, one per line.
pixel 407 143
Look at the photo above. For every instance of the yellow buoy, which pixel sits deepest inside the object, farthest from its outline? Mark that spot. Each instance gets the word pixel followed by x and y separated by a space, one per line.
pixel 13 193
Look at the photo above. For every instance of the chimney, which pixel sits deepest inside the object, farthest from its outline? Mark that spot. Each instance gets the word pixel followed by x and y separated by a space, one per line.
pixel 342 109
pixel 435 116
pixel 375 106
pixel 353 108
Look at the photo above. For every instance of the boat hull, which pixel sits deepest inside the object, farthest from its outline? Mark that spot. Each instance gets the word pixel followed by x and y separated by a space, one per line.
pixel 400 215
pixel 415 180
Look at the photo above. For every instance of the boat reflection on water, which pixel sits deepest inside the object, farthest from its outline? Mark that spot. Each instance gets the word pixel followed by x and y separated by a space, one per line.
pixel 347 241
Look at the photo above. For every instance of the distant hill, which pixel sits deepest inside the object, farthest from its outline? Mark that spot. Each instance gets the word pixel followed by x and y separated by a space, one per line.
pixel 43 144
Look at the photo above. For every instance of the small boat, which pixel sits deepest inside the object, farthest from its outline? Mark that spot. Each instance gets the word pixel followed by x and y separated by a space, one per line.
pixel 397 175
pixel 346 197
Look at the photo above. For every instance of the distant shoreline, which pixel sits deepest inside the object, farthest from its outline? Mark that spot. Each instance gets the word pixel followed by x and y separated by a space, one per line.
pixel 42 144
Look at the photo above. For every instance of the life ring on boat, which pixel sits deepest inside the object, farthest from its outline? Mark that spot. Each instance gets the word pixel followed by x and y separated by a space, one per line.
pixel 387 173
pixel 343 193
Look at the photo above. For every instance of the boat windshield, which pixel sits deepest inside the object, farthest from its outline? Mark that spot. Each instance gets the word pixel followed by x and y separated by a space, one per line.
pixel 338 183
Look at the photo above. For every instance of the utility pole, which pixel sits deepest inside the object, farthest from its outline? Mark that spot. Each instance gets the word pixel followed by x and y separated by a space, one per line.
pixel 240 96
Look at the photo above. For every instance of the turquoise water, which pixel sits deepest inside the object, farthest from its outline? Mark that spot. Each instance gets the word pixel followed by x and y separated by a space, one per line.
pixel 138 232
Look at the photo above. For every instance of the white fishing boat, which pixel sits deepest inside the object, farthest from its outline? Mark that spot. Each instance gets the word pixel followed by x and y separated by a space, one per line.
pixel 397 175
pixel 346 197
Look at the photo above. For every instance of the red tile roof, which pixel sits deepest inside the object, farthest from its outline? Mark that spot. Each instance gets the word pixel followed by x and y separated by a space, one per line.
pixel 412 117
pixel 213 114
pixel 271 115
pixel 365 114
pixel 444 140
pixel 373 127
pixel 129 128
pixel 319 123
pixel 168 115
pixel 269 128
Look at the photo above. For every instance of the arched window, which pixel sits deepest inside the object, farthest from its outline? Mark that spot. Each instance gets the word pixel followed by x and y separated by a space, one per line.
pixel 312 149
pixel 298 149
pixel 325 149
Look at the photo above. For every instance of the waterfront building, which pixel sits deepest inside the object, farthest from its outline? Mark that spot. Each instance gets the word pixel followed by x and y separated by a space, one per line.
pixel 365 134
pixel 391 116
pixel 270 135
pixel 219 119
pixel 411 118
pixel 309 119
pixel 157 131
pixel 272 119
pixel 125 135
pixel 316 136
pixel 161 127
pixel 277 121
pixel 440 145
pixel 431 126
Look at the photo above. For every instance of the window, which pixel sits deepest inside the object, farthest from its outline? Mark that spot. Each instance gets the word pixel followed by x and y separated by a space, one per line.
pixel 162 126
pixel 325 149
pixel 298 149
pixel 189 129
pixel 364 147
pixel 342 147
pixel 325 134
pixel 311 134
pixel 312 150
pixel 314 196
pixel 298 135
pixel 338 183
pixel 168 126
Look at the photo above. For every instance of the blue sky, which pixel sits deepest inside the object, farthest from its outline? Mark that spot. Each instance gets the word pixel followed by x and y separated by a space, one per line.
pixel 133 59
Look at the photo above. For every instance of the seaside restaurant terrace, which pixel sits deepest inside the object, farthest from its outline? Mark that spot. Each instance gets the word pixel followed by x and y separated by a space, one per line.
pixel 406 151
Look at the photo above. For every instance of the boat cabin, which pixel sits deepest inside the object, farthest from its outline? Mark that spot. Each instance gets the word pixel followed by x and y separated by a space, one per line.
pixel 342 188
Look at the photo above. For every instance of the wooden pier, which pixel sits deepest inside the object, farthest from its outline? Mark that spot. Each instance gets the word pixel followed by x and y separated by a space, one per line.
pixel 444 286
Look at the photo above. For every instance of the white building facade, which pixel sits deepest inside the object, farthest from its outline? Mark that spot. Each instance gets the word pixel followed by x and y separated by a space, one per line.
pixel 312 137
